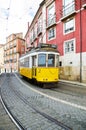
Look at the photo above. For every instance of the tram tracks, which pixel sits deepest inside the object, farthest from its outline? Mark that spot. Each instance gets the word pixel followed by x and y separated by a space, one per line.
pixel 64 97
pixel 65 94
pixel 61 87
pixel 30 104
pixel 14 120
pixel 12 117
pixel 32 101
pixel 41 113
pixel 45 93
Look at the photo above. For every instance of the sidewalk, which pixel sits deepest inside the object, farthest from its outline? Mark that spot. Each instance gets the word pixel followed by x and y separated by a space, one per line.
pixel 73 82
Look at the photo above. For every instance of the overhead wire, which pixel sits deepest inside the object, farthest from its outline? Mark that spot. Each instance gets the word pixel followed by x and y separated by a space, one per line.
pixel 4 15
pixel 8 15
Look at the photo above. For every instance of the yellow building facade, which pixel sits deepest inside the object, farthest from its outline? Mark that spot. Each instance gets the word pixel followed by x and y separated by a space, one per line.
pixel 1 58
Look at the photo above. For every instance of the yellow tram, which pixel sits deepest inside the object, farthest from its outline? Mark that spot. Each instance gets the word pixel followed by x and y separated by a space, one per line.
pixel 41 64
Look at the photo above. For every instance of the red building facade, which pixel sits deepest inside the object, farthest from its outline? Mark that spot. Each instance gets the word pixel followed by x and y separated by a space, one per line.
pixel 63 23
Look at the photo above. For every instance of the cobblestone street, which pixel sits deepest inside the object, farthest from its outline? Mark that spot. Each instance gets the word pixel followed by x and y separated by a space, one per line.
pixel 5 122
pixel 43 65
pixel 34 109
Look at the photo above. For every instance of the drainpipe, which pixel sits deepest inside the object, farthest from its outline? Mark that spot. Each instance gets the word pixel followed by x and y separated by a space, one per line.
pixel 80 44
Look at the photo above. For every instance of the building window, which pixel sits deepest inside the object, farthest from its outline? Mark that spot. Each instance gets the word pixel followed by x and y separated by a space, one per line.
pixel 14 50
pixel 69 46
pixel 51 15
pixel 69 7
pixel 51 33
pixel 68 2
pixel 39 28
pixel 69 26
pixel 40 38
pixel 35 31
pixel 15 43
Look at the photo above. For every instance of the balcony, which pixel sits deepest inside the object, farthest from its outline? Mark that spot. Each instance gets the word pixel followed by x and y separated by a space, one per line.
pixel 68 11
pixel 84 4
pixel 51 21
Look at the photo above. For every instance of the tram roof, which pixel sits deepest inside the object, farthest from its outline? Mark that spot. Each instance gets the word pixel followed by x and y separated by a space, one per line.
pixel 43 48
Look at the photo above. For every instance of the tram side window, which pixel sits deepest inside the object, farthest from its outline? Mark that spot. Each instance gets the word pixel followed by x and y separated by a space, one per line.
pixel 26 62
pixel 22 63
pixel 34 60
pixel 42 60
pixel 51 60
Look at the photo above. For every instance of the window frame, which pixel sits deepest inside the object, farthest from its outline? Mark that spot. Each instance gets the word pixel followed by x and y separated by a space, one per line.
pixel 69 29
pixel 69 50
pixel 42 65
pixel 67 6
pixel 53 34
pixel 50 16
pixel 51 58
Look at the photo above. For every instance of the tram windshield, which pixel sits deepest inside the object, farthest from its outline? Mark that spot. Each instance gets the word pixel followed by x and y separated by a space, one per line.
pixel 48 60
pixel 51 60
pixel 42 60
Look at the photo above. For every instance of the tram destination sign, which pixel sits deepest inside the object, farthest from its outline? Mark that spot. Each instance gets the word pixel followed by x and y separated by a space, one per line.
pixel 45 45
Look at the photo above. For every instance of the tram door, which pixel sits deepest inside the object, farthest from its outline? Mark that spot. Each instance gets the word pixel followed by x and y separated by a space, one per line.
pixel 34 61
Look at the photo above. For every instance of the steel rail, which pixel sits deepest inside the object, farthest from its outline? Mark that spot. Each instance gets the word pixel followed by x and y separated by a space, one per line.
pixel 19 95
pixel 12 117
